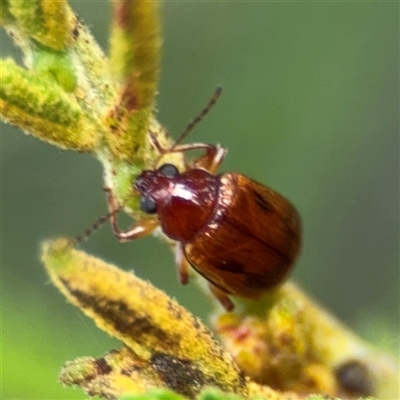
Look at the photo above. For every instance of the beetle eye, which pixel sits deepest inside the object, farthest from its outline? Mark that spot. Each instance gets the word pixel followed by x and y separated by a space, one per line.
pixel 168 170
pixel 147 205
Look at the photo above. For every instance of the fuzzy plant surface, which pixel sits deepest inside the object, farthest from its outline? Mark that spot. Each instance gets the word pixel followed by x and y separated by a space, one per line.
pixel 69 94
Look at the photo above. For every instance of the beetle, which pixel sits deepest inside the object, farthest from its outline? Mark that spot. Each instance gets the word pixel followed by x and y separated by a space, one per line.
pixel 240 235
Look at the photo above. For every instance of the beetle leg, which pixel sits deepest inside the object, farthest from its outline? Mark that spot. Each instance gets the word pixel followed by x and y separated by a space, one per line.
pixel 139 230
pixel 210 160
pixel 182 264
pixel 222 297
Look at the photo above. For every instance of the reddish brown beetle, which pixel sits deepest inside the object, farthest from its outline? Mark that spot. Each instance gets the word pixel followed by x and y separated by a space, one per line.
pixel 240 235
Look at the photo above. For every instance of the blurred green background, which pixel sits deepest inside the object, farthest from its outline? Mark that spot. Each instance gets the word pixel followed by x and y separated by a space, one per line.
pixel 310 108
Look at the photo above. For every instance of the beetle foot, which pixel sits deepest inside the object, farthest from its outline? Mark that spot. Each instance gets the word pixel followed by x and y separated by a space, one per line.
pixel 222 297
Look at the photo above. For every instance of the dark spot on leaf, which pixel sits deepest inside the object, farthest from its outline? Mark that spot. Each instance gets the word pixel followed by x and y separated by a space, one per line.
pixel 124 319
pixel 75 32
pixel 196 323
pixel 126 372
pixel 354 377
pixel 102 366
pixel 180 375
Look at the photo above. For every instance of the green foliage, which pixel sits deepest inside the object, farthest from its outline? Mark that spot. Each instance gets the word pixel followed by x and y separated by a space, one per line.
pixel 58 65
pixel 154 394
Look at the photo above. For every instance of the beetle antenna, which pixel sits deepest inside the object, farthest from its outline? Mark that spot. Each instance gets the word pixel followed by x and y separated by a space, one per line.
pixel 188 129
pixel 199 117
pixel 96 226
